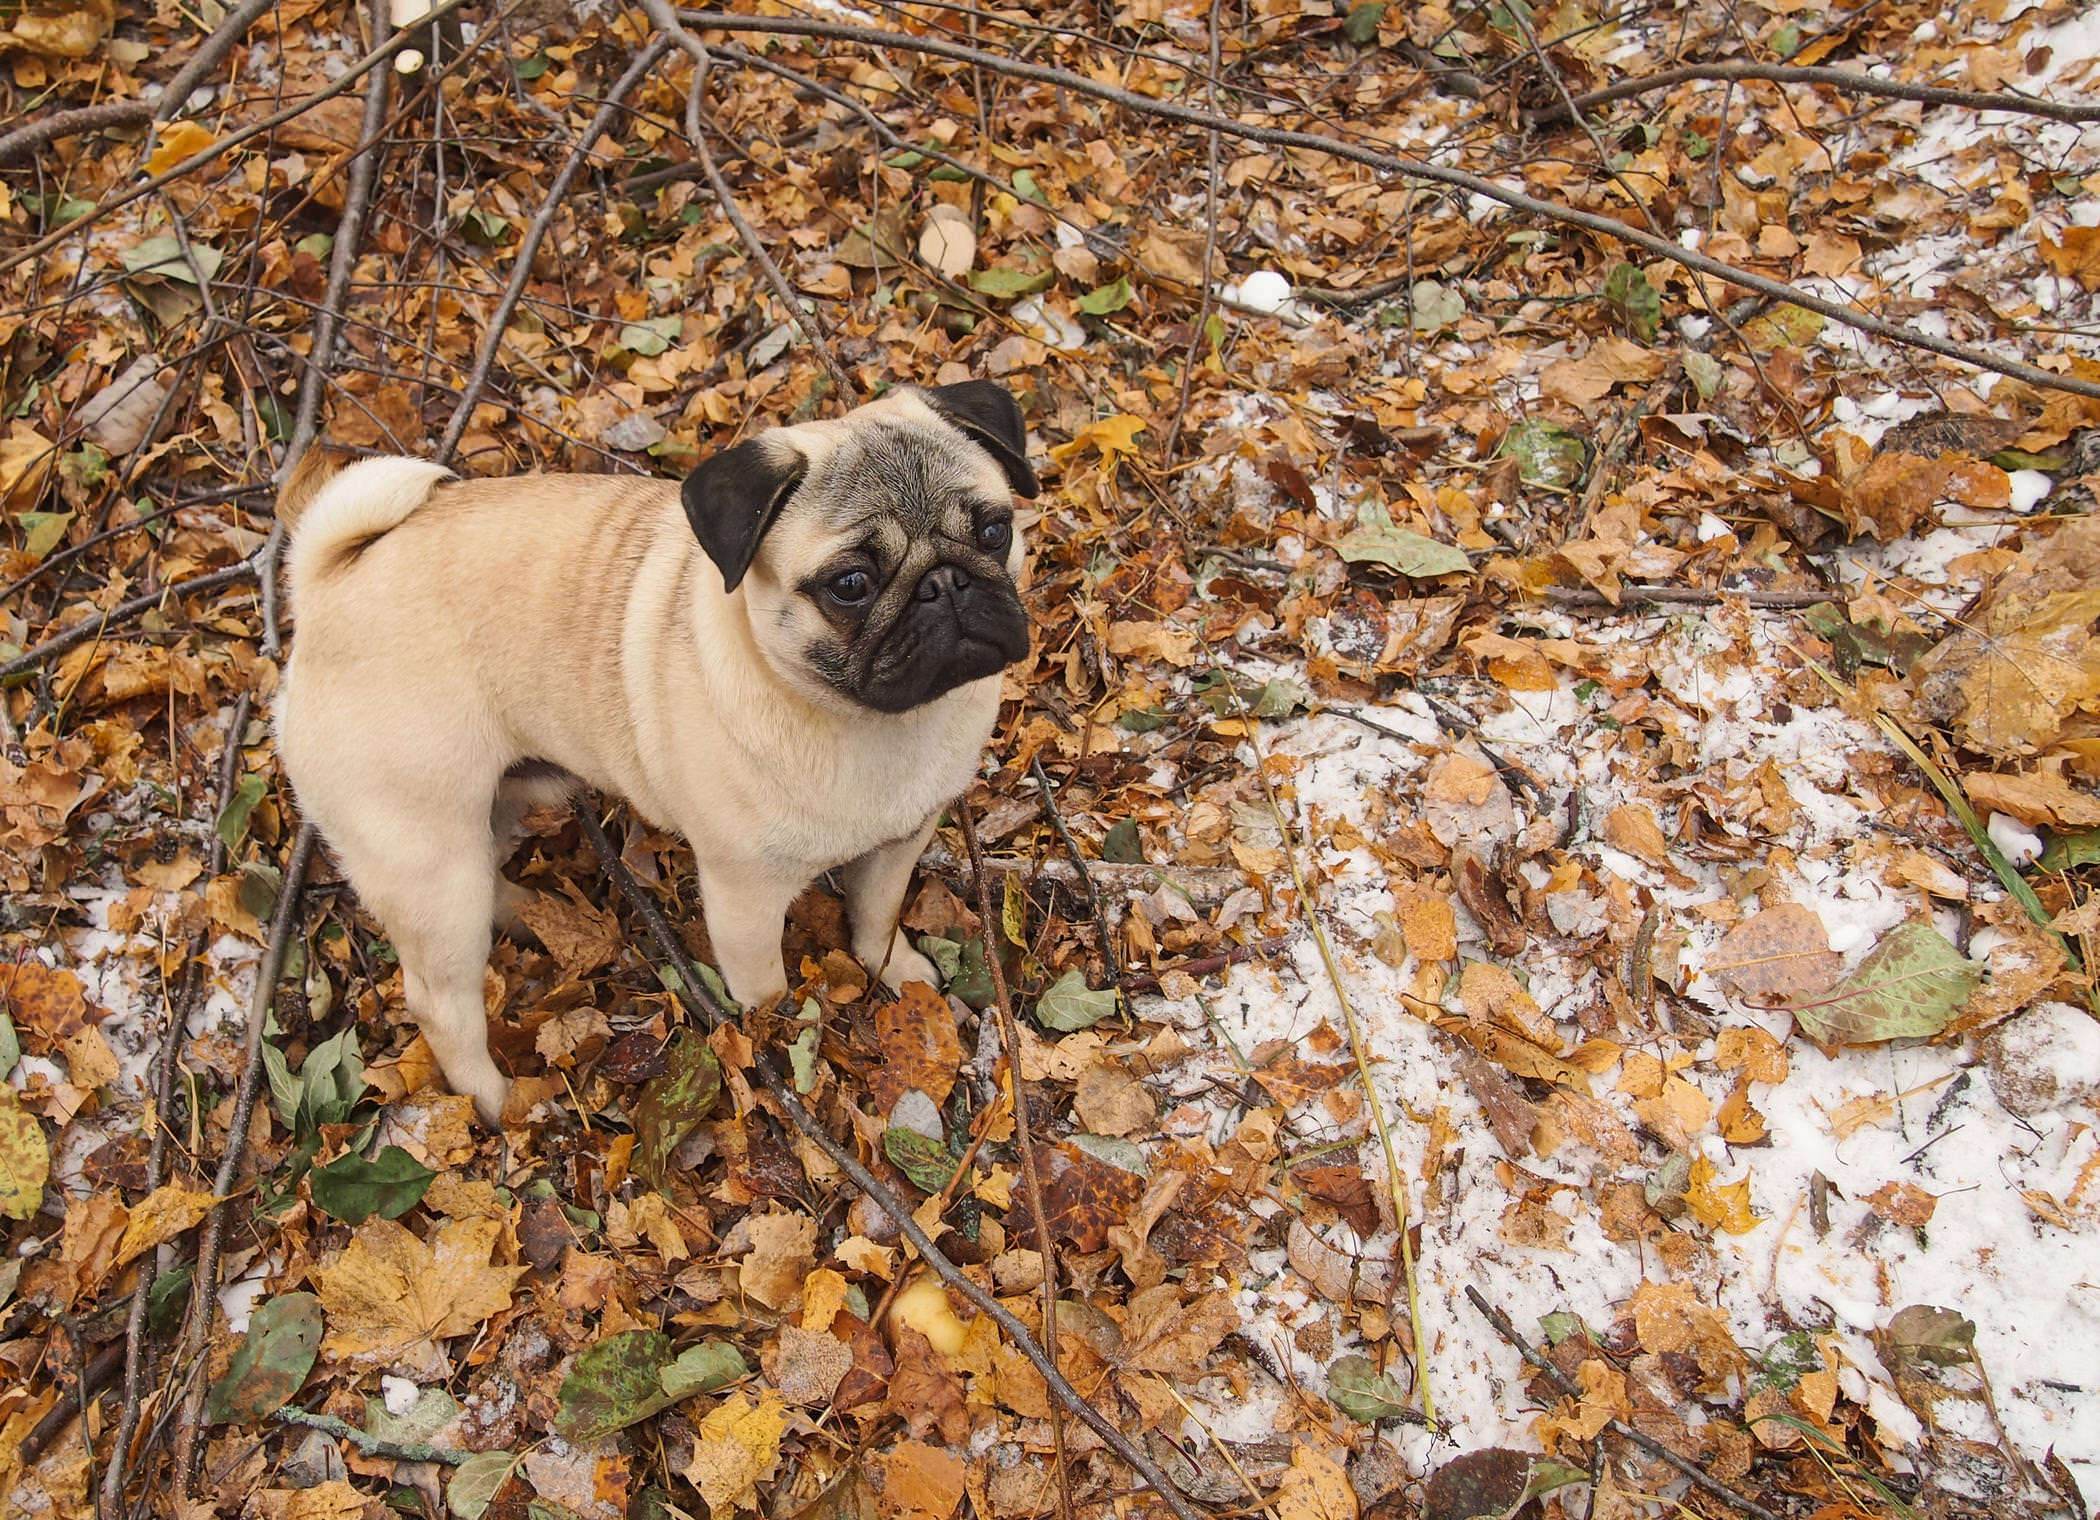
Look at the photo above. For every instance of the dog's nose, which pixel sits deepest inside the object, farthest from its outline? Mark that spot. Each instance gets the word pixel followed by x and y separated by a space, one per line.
pixel 950 580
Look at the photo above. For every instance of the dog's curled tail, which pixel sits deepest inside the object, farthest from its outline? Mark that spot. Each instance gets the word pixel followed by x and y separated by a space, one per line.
pixel 331 514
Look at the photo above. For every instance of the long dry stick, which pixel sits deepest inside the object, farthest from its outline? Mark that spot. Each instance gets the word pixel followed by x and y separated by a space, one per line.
pixel 1646 1443
pixel 342 265
pixel 1410 168
pixel 204 1284
pixel 806 323
pixel 693 993
pixel 94 627
pixel 218 149
pixel 529 246
pixel 1024 1141
pixel 1843 79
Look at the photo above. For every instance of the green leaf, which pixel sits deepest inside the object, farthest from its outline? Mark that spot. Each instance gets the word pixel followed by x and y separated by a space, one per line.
pixel 1279 698
pixel 673 1103
pixel 1359 1390
pixel 1791 1358
pixel 319 244
pixel 1375 539
pixel 1109 298
pixel 652 337
pixel 973 982
pixel 1070 1004
pixel 484 227
pixel 1924 1333
pixel 1006 284
pixel 233 818
pixel 1705 372
pixel 1910 986
pixel 1115 1150
pixel 802 1056
pixel 430 1412
pixel 2020 459
pixel 922 1158
pixel 1122 844
pixel 1633 301
pixel 353 1189
pixel 475 1481
pixel 531 68
pixel 162 258
pixel 1785 40
pixel 10 1045
pixel 2067 852
pixel 260 884
pixel 1013 913
pixel 614 1383
pixel 333 1077
pixel 169 1298
pixel 1027 189
pixel 271 1361
pixel 44 531
pixel 1361 25
pixel 945 953
pixel 1559 1325
pixel 1144 720
pixel 1433 306
pixel 702 1369
pixel 1548 455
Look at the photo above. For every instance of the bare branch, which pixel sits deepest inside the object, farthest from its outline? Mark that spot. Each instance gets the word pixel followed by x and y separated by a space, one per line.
pixel 1848 80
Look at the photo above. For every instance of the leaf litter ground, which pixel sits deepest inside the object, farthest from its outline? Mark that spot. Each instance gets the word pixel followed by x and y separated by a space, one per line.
pixel 1599 870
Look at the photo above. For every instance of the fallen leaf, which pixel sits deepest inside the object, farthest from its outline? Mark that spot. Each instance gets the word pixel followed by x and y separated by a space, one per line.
pixel 160 1216
pixel 1719 1207
pixel 737 1445
pixel 1110 1101
pixel 1783 952
pixel 920 1049
pixel 918 1479
pixel 270 1363
pixel 1316 1488
pixel 1910 986
pixel 1610 362
pixel 391 1298
pixel 581 938
pixel 25 1159
pixel 780 1258
pixel 1901 1203
pixel 809 1366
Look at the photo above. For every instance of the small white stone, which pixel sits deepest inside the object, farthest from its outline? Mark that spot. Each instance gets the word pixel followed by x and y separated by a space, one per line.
pixel 400 1394
pixel 1265 291
pixel 2020 844
pixel 918 1113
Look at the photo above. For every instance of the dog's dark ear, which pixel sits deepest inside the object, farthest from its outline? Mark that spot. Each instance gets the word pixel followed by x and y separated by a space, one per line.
pixel 733 497
pixel 991 417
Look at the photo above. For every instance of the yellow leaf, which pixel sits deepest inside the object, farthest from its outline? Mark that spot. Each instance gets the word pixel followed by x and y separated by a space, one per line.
pixel 738 1444
pixel 1719 1208
pixel 25 1159
pixel 165 1213
pixel 1111 436
pixel 26 458
pixel 823 1295
pixel 1316 1488
pixel 390 1297
pixel 181 141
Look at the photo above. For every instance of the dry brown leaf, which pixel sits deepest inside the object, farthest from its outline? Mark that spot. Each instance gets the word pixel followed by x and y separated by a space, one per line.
pixel 579 937
pixel 391 1299
pixel 918 1479
pixel 1316 1488
pixel 1902 1203
pixel 783 1248
pixel 1111 1102
pixel 1782 952
pixel 2046 800
pixel 161 1215
pixel 1610 361
pixel 809 1366
pixel 1632 827
pixel 920 1049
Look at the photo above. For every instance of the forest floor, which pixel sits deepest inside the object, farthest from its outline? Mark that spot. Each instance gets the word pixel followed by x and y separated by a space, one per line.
pixel 1544 853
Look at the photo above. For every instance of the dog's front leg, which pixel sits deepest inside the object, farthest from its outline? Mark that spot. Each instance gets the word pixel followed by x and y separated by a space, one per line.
pixel 746 909
pixel 875 886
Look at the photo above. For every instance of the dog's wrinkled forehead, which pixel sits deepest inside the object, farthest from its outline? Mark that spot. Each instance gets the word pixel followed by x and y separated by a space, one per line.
pixel 921 478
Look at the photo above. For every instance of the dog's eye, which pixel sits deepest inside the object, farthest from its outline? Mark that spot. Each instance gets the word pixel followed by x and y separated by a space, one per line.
pixel 849 588
pixel 995 535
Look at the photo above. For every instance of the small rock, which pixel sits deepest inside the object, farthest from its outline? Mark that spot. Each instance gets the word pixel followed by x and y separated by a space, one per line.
pixel 318 1460
pixel 1265 290
pixel 2044 1059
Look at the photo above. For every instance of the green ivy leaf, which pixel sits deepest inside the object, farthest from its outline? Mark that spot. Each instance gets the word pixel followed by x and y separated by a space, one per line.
pixel 1070 1004
pixel 613 1384
pixel 1359 1390
pixel 671 1104
pixel 920 1157
pixel 353 1189
pixel 1112 297
pixel 1910 986
pixel 2067 852
pixel 271 1362
pixel 1377 540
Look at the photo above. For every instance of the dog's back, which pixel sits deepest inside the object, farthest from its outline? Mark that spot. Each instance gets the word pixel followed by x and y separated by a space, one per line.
pixel 330 514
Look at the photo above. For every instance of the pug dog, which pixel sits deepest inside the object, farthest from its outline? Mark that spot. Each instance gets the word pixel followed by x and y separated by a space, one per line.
pixel 793 660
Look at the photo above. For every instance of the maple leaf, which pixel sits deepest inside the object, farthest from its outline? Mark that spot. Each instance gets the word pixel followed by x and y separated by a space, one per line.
pixel 1114 437
pixel 391 1298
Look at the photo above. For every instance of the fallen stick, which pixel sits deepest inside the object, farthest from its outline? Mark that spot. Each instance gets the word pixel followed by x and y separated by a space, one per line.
pixel 1842 79
pixel 95 627
pixel 1691 596
pixel 693 993
pixel 1203 886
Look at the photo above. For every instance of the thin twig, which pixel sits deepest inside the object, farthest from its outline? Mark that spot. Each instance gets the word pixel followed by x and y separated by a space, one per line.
pixel 1079 866
pixel 204 1285
pixel 370 1445
pixel 666 19
pixel 1201 886
pixel 693 993
pixel 609 112
pixel 342 265
pixel 1210 252
pixel 1613 453
pixel 1691 596
pixel 1392 163
pixel 1204 965
pixel 24 141
pixel 1842 79
pixel 1024 1139
pixel 1646 1443
pixel 94 627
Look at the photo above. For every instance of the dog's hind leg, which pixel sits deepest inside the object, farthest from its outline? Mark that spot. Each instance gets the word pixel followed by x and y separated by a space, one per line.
pixel 526 785
pixel 433 889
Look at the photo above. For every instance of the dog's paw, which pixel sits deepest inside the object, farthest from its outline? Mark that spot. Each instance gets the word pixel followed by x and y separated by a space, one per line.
pixel 908 965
